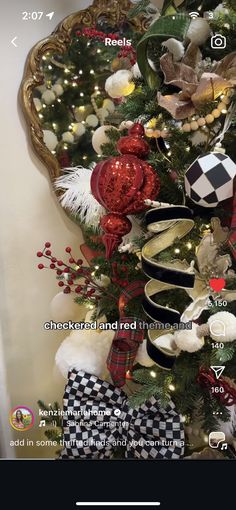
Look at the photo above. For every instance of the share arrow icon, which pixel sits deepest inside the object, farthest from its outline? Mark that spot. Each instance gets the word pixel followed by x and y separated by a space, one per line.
pixel 50 15
pixel 218 370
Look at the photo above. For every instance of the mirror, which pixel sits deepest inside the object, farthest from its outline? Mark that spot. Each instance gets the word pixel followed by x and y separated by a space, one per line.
pixel 63 89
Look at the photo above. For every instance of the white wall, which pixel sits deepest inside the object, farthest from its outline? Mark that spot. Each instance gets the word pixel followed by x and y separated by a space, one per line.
pixel 29 216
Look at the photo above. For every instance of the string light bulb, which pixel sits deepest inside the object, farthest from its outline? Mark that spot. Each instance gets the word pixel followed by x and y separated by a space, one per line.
pixel 171 387
pixel 152 373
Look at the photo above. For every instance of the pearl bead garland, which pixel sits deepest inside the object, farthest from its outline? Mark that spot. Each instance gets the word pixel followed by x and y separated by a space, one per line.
pixel 208 119
pixel 194 124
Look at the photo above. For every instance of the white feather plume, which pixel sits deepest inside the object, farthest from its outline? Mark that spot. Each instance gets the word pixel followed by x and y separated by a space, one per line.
pixel 77 196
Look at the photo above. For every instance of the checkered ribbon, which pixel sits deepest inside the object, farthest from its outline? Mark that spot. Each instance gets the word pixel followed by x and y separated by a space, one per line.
pixel 126 341
pixel 232 235
pixel 97 419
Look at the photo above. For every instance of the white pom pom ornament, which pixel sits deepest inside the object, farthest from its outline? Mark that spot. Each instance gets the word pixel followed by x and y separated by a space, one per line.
pixel 108 105
pixel 78 129
pixel 175 47
pixel 198 31
pixel 63 308
pixel 136 71
pixel 92 120
pixel 67 137
pixel 58 89
pixel 50 139
pixel 188 340
pixel 48 97
pixel 120 84
pixel 85 350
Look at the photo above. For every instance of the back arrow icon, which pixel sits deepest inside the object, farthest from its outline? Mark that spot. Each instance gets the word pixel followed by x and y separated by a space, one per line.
pixel 13 42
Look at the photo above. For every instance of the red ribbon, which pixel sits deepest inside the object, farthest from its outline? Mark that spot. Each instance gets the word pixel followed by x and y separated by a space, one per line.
pixel 207 379
pixel 127 341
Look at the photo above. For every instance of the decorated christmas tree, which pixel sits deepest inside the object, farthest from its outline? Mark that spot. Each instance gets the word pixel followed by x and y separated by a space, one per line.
pixel 155 200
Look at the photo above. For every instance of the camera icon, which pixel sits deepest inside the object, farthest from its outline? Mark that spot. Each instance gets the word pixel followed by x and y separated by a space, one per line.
pixel 218 42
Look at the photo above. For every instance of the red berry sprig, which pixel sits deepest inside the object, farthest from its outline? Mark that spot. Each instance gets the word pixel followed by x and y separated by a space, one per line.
pixel 89 289
pixel 93 33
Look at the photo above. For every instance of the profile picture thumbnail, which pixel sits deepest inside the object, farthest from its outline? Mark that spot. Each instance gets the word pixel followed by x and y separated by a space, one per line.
pixel 21 418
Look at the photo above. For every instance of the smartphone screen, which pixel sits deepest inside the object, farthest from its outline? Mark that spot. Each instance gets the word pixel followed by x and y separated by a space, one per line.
pixel 118 231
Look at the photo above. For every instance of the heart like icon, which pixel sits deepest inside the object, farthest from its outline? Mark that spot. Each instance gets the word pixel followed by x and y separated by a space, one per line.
pixel 217 284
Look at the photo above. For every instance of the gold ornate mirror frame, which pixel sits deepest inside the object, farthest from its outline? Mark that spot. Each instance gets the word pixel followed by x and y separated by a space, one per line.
pixel 115 12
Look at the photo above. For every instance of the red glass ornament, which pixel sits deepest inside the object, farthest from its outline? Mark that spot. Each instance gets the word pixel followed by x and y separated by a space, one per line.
pixel 137 130
pixel 115 182
pixel 122 184
pixel 149 189
pixel 133 145
pixel 115 226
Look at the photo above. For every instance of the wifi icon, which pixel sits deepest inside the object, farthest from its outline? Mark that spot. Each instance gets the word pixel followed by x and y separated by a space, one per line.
pixel 194 14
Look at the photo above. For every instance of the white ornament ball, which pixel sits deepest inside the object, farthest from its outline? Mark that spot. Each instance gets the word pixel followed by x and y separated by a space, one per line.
pixel 120 84
pixel 102 114
pixel 222 327
pixel 79 129
pixel 92 120
pixel 126 124
pixel 37 103
pixel 187 340
pixel 68 137
pixel 58 89
pixel 108 105
pixel 100 137
pixel 63 308
pixel 48 96
pixel 80 113
pixel 142 356
pixel 199 31
pixel 50 139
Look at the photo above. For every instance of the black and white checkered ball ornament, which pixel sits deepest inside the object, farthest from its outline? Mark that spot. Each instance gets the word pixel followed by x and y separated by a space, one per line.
pixel 209 180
